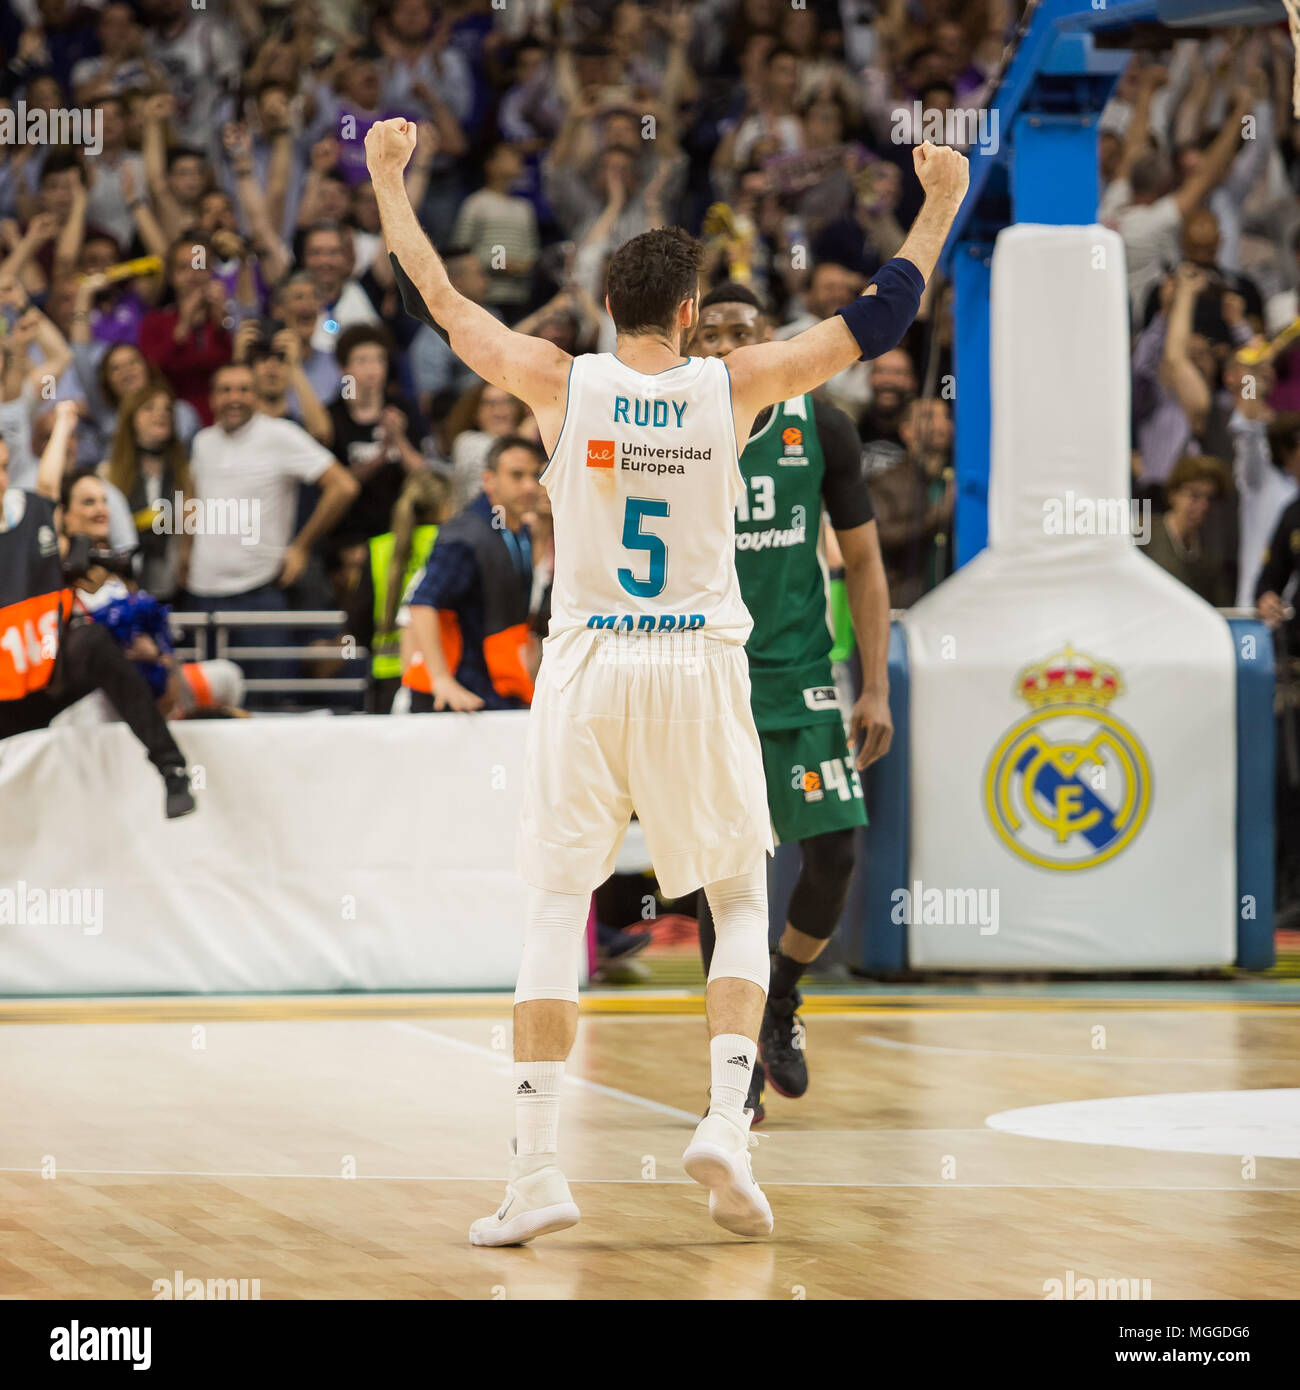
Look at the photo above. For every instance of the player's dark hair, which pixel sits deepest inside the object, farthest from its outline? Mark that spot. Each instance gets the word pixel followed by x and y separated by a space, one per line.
pixel 513 441
pixel 733 293
pixel 649 277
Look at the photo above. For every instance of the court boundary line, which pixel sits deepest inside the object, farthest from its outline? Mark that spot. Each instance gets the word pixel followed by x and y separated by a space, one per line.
pixel 506 1064
pixel 768 1184
pixel 897 1044
pixel 343 1007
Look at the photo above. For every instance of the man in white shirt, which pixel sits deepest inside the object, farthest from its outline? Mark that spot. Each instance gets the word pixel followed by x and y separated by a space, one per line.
pixel 239 551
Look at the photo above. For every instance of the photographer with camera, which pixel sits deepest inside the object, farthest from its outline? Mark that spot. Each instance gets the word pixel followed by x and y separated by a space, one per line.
pixel 49 657
pixel 104 589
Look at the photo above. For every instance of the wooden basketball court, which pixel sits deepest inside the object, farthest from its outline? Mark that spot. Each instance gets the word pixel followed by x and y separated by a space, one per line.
pixel 340 1147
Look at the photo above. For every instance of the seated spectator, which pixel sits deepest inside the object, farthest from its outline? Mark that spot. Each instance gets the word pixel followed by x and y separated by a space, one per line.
pixel 501 230
pixel 1150 209
pixel 296 304
pixel 1176 540
pixel 1180 405
pixel 282 387
pixel 137 620
pixel 831 287
pixel 481 417
pixel 188 340
pixel 371 425
pixel 24 379
pixel 1199 244
pixel 892 377
pixel 468 609
pixel 109 376
pixel 913 500
pixel 1265 469
pixel 344 303
pixel 245 471
pixel 149 465
pixel 439 376
pixel 868 235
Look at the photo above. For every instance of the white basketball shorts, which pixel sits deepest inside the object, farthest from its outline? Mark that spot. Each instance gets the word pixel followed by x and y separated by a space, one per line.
pixel 654 725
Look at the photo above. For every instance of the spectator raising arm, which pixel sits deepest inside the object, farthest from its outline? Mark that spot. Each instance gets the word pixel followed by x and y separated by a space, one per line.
pixel 765 373
pixel 67 249
pixel 531 368
pixel 17 265
pixel 50 473
pixel 239 147
pixel 156 111
pixel 315 418
pixel 1214 164
pixel 1179 375
pixel 146 224
pixel 56 355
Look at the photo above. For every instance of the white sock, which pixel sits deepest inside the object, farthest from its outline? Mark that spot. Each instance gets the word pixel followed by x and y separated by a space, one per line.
pixel 537 1106
pixel 732 1057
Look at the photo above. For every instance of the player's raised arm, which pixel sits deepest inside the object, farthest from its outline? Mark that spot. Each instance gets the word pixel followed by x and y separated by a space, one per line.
pixel 535 371
pixel 875 322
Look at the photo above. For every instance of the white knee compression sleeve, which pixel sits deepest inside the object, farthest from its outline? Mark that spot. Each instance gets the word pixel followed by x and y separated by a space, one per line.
pixel 739 907
pixel 553 938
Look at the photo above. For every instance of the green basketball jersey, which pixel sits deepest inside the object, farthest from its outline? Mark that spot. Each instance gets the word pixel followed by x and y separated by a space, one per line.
pixel 782 578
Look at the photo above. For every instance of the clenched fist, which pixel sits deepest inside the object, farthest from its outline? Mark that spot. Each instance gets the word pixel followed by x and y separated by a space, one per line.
pixel 944 172
pixel 389 146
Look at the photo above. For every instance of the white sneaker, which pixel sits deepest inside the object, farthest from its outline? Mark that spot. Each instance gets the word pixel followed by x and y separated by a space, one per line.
pixel 718 1158
pixel 538 1201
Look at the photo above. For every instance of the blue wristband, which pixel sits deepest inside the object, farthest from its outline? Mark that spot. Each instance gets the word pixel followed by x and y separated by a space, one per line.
pixel 878 321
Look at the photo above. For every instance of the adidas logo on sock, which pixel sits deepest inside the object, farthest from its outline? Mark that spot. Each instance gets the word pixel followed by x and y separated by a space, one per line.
pixel 525 1089
pixel 731 1062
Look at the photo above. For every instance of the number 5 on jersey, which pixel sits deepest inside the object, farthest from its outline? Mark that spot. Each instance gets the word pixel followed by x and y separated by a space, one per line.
pixel 638 508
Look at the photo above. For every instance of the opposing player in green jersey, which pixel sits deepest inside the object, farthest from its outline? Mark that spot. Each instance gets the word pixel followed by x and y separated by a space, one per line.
pixel 802 458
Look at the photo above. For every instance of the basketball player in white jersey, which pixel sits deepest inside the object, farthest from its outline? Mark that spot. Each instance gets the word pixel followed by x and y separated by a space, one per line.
pixel 642 701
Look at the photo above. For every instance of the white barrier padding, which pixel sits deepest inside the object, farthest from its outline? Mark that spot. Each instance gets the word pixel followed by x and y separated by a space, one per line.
pixel 1072 711
pixel 1059 379
pixel 360 853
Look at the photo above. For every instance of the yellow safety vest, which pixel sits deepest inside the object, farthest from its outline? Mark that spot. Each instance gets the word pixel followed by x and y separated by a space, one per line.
pixel 386 647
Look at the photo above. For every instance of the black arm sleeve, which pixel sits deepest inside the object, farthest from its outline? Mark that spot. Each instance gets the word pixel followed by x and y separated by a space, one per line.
pixel 1279 558
pixel 413 300
pixel 844 489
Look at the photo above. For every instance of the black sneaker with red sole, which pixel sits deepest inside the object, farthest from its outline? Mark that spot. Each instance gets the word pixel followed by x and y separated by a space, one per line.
pixel 781 1046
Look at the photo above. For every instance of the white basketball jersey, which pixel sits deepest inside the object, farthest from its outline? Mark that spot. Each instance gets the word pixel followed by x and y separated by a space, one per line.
pixel 644 483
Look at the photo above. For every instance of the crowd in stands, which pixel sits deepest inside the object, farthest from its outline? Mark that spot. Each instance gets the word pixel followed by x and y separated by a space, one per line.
pixel 207 282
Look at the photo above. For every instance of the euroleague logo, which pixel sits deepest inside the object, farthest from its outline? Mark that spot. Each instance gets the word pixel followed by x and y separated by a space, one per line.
pixel 1068 786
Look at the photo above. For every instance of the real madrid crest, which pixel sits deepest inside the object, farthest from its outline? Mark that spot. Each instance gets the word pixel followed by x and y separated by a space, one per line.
pixel 1069 785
